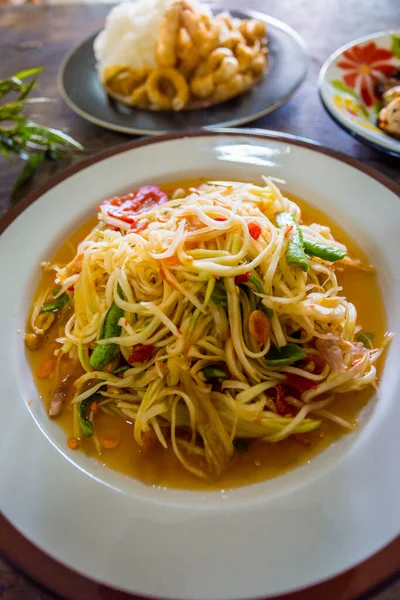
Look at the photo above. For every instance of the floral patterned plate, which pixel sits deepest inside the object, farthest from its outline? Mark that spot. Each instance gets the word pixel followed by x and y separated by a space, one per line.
pixel 347 86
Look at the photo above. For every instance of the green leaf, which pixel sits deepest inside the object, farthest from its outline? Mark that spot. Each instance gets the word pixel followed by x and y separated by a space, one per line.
pixel 10 110
pixel 395 48
pixel 51 135
pixel 257 284
pixel 27 89
pixel 339 85
pixel 25 136
pixel 9 85
pixel 29 169
pixel 28 72
pixel 61 300
pixel 366 339
pixel 214 373
pixel 218 295
pixel 12 145
pixel 287 355
pixel 4 151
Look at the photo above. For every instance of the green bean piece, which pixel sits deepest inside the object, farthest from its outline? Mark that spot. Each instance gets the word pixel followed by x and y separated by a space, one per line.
pixel 295 254
pixel 219 296
pixel 105 353
pixel 214 373
pixel 287 355
pixel 56 304
pixel 240 445
pixel 365 338
pixel 327 253
pixel 84 421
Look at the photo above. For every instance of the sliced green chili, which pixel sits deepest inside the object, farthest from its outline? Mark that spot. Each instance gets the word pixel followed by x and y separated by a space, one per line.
pixel 56 304
pixel 84 421
pixel 321 251
pixel 214 373
pixel 295 254
pixel 105 353
pixel 366 339
pixel 219 296
pixel 240 445
pixel 287 355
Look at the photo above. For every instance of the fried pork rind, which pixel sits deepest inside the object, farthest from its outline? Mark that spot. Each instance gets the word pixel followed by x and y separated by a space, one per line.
pixel 201 60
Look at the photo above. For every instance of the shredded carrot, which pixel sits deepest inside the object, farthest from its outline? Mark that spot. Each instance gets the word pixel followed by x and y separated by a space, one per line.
pixel 110 442
pixel 166 278
pixel 288 230
pixel 45 368
pixel 76 265
pixel 171 261
pixel 73 443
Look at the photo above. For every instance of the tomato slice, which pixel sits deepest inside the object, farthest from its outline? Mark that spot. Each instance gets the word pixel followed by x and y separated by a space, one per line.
pixel 254 230
pixel 282 407
pixel 243 278
pixel 141 353
pixel 302 384
pixel 125 208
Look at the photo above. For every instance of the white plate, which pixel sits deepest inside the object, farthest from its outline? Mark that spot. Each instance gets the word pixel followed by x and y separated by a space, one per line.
pixel 346 85
pixel 264 539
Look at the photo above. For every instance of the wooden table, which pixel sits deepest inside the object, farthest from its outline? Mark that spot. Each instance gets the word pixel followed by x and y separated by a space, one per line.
pixel 32 36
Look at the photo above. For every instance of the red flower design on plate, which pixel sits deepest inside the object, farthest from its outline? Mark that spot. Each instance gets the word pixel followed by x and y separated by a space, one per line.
pixel 364 66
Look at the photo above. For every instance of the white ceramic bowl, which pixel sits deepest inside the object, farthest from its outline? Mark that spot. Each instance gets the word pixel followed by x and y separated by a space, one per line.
pixel 259 540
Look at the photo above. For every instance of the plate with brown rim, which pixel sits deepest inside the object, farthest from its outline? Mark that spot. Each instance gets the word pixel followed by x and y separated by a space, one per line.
pixel 81 89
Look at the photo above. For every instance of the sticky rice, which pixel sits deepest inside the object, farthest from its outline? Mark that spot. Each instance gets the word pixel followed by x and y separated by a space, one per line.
pixel 130 33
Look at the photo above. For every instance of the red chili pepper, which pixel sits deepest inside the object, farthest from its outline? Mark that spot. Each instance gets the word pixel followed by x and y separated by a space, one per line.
pixel 141 353
pixel 125 207
pixel 243 278
pixel 281 406
pixel 220 219
pixel 254 230
pixel 299 383
pixel 71 288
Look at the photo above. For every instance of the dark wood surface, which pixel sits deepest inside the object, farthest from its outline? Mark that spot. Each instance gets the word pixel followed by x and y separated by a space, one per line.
pixel 33 36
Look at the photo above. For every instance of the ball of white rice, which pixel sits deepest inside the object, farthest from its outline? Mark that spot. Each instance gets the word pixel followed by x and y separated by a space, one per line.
pixel 130 33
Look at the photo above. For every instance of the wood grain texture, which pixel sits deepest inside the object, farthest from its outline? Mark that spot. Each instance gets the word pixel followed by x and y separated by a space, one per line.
pixel 32 36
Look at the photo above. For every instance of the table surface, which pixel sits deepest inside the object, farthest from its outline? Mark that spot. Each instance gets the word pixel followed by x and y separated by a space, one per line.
pixel 40 36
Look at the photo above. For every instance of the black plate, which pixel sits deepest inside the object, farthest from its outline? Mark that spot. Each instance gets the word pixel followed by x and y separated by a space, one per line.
pixel 288 62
